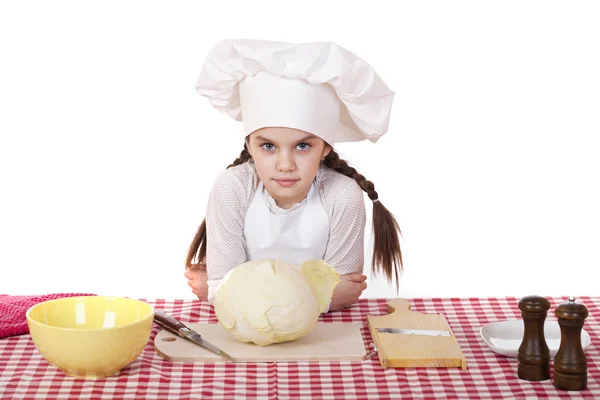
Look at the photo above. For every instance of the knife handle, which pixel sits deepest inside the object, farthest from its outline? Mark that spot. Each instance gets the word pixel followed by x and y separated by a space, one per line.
pixel 167 321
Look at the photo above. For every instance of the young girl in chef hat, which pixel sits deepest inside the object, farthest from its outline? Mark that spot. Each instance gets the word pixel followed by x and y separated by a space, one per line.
pixel 289 195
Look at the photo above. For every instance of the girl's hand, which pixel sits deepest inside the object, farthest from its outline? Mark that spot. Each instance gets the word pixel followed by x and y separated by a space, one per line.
pixel 348 291
pixel 197 280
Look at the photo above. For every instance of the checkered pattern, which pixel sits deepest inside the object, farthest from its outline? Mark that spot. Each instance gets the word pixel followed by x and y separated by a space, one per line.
pixel 24 374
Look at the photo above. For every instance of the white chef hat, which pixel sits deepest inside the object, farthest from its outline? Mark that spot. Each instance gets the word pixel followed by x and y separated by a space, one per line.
pixel 320 88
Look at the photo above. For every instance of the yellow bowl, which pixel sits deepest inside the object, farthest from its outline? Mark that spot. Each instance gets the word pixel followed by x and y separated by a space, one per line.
pixel 90 336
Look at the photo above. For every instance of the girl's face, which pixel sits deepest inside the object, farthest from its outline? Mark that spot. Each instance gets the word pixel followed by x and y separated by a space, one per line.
pixel 286 161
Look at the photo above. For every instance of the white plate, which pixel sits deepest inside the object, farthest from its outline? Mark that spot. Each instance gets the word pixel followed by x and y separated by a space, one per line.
pixel 505 337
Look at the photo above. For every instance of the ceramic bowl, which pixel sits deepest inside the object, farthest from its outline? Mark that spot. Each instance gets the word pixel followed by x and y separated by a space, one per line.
pixel 505 337
pixel 90 336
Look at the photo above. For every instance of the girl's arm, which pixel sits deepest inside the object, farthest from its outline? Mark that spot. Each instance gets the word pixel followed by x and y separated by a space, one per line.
pixel 197 280
pixel 225 246
pixel 345 249
pixel 348 291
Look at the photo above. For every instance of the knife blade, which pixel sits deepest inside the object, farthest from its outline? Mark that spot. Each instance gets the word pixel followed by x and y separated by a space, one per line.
pixel 422 332
pixel 176 327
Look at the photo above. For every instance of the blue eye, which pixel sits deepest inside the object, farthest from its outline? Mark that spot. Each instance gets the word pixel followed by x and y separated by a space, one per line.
pixel 268 146
pixel 303 146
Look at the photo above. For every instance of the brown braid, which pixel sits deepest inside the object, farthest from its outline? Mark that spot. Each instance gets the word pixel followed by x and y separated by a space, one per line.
pixel 197 251
pixel 387 256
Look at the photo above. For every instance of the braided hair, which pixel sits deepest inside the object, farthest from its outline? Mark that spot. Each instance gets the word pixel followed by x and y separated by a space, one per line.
pixel 387 255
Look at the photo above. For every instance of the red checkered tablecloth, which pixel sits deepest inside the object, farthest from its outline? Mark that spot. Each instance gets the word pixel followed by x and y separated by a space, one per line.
pixel 24 374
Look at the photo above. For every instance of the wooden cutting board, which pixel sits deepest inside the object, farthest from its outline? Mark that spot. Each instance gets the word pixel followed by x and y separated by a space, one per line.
pixel 335 341
pixel 406 351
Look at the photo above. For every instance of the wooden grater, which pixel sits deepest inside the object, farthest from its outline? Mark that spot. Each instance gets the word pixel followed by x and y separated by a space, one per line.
pixel 406 339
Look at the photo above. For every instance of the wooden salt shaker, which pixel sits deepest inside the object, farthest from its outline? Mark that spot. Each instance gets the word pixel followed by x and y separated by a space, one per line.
pixel 570 364
pixel 534 355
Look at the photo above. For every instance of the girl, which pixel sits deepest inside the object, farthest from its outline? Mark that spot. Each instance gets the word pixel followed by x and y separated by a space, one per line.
pixel 289 195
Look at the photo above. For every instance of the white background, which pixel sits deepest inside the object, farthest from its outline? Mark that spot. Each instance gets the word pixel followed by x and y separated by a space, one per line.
pixel 491 164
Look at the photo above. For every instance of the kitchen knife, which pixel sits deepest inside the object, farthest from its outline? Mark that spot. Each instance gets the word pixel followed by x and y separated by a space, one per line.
pixel 422 332
pixel 176 327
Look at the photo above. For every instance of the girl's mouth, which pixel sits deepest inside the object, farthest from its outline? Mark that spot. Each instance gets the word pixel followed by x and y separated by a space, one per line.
pixel 286 182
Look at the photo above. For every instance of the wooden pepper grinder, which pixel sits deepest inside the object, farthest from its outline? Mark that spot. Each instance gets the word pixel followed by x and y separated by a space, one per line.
pixel 570 365
pixel 534 355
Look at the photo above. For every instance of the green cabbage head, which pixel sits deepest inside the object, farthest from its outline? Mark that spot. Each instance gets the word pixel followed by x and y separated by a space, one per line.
pixel 269 301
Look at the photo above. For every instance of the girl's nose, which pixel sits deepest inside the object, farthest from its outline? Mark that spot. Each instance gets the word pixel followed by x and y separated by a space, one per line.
pixel 285 162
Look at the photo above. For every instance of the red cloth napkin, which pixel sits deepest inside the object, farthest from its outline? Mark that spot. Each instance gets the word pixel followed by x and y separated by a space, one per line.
pixel 13 308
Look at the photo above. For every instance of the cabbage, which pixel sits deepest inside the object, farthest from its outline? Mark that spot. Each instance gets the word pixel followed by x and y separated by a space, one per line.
pixel 269 301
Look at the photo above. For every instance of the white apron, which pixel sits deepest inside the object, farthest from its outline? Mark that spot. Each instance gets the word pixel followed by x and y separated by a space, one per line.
pixel 294 237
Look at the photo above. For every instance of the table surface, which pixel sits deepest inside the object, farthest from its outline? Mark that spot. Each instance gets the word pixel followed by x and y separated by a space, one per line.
pixel 25 374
